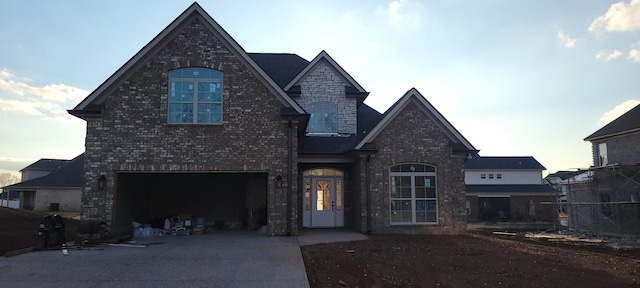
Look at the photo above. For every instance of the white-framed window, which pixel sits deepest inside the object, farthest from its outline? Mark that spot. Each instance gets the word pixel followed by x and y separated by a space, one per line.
pixel 413 194
pixel 602 154
pixel 498 176
pixel 324 118
pixel 490 176
pixel 195 96
pixel 483 176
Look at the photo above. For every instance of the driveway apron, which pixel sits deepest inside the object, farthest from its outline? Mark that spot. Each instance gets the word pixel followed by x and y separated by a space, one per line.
pixel 223 259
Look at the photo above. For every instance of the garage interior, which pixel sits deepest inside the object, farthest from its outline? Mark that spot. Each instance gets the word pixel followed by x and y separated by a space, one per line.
pixel 223 200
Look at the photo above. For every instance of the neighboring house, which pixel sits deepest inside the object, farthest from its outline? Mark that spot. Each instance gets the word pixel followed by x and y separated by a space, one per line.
pixel 606 201
pixel 49 185
pixel 508 188
pixel 562 181
pixel 617 142
pixel 194 125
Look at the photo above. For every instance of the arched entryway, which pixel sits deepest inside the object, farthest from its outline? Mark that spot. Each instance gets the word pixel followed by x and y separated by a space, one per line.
pixel 323 198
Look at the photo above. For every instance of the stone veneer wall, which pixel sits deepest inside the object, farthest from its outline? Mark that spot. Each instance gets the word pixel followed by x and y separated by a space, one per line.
pixel 413 137
pixel 323 84
pixel 133 134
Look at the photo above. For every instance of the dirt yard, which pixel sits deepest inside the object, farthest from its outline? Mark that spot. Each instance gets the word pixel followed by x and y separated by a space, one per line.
pixel 19 229
pixel 473 260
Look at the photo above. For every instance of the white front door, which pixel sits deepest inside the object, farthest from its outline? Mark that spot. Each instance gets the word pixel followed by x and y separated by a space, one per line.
pixel 326 199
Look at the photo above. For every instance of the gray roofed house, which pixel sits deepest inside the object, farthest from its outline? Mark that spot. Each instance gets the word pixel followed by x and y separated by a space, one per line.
pixel 194 125
pixel 502 162
pixel 508 188
pixel 618 142
pixel 51 184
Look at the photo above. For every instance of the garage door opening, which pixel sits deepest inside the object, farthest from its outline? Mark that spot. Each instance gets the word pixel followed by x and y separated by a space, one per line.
pixel 150 198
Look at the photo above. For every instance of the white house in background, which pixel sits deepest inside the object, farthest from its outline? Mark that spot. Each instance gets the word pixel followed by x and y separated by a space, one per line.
pixel 48 184
pixel 508 188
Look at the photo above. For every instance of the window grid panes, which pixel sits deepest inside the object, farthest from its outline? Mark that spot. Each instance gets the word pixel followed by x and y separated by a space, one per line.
pixel 324 118
pixel 195 96
pixel 413 194
pixel 307 195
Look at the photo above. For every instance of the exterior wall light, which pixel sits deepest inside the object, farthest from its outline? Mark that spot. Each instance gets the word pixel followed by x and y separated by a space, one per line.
pixel 102 181
pixel 279 181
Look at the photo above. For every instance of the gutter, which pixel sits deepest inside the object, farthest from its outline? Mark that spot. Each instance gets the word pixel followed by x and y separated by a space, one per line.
pixel 289 173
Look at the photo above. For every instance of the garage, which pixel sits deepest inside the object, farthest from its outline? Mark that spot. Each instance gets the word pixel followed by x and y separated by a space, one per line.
pixel 222 200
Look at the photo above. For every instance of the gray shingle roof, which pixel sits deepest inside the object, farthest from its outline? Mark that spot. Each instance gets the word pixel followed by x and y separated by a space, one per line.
pixel 503 163
pixel 628 122
pixel 47 164
pixel 522 188
pixel 70 175
pixel 281 67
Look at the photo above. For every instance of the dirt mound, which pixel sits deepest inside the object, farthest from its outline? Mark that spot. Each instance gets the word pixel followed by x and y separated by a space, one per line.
pixel 19 228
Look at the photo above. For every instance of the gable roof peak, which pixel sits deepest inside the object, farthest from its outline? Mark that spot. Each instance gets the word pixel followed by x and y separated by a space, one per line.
pixel 94 97
pixel 323 55
pixel 397 107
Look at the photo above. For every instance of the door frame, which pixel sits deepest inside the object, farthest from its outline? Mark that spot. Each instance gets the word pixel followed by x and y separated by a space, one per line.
pixel 310 215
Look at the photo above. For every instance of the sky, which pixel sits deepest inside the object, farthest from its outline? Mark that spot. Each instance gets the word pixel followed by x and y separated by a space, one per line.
pixel 516 78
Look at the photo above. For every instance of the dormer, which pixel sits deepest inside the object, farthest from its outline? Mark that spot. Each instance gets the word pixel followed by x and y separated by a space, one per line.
pixel 329 95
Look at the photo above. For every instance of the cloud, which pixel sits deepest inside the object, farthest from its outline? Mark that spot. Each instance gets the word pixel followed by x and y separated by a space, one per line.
pixel 401 12
pixel 634 55
pixel 566 41
pixel 617 111
pixel 620 17
pixel 53 92
pixel 608 55
pixel 46 101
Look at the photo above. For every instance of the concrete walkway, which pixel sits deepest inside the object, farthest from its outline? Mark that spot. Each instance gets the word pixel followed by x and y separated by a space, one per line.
pixel 317 236
pixel 224 259
pixel 227 259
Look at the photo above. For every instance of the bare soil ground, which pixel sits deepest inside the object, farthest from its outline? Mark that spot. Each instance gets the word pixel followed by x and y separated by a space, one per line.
pixel 477 259
pixel 19 229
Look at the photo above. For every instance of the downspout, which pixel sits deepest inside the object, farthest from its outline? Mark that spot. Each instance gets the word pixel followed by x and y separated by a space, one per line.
pixel 368 192
pixel 289 173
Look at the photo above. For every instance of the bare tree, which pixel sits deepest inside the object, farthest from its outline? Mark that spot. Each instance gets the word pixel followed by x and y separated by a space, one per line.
pixel 7 179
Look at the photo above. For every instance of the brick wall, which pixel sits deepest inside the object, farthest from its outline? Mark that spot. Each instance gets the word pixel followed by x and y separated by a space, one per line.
pixel 621 150
pixel 323 84
pixel 413 137
pixel 133 134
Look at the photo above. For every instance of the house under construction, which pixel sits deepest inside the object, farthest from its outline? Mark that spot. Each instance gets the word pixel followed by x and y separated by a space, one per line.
pixel 607 202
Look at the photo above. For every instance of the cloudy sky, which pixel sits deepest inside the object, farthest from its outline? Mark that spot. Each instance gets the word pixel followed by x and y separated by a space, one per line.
pixel 516 78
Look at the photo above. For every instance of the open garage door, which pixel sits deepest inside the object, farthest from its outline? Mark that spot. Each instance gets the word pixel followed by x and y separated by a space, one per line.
pixel 237 199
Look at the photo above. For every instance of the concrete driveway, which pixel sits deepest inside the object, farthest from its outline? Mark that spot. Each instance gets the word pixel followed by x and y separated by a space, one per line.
pixel 226 259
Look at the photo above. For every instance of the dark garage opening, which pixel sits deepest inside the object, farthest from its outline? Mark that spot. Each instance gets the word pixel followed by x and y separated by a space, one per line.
pixel 495 208
pixel 149 198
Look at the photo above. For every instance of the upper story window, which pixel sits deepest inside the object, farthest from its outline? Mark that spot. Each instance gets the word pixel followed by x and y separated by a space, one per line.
pixel 324 118
pixel 195 96
pixel 498 176
pixel 483 176
pixel 490 176
pixel 602 154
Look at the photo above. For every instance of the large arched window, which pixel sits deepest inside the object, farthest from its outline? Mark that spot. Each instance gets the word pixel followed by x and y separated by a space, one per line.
pixel 195 96
pixel 324 118
pixel 413 194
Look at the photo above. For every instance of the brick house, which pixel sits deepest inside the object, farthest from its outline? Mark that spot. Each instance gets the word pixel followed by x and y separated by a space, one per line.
pixel 192 124
pixel 617 142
